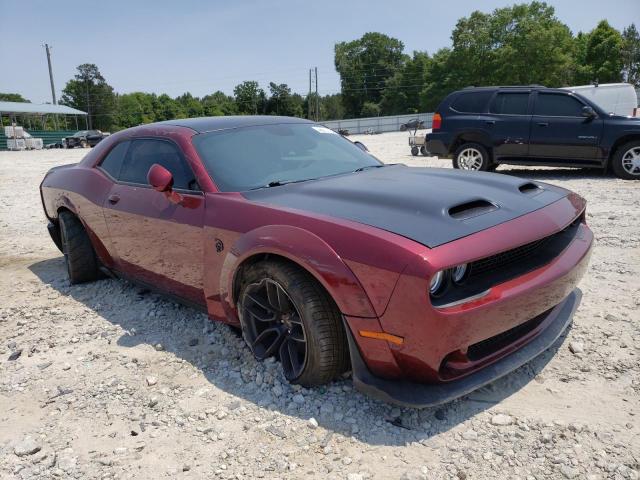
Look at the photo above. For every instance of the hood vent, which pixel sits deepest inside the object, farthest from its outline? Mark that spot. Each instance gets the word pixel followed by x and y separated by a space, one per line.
pixel 471 209
pixel 529 188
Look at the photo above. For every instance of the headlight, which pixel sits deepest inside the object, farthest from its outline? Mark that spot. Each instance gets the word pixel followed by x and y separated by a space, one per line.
pixel 436 282
pixel 459 273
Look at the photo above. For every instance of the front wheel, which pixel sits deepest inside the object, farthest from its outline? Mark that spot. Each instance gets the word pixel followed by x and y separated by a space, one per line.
pixel 471 156
pixel 284 312
pixel 626 161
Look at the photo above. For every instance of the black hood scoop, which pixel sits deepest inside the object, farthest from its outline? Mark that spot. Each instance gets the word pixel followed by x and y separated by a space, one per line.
pixel 471 209
pixel 432 206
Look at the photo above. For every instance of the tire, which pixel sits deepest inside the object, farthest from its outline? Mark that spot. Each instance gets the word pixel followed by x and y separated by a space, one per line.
pixel 626 161
pixel 309 314
pixel 471 156
pixel 423 150
pixel 414 151
pixel 80 258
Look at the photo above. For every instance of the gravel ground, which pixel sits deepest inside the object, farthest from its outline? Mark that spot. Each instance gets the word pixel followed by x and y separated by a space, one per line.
pixel 107 380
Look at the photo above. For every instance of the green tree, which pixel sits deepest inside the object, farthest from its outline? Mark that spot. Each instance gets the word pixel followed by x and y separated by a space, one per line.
pixel 331 107
pixel 282 102
pixel 134 109
pixel 364 66
pixel 402 91
pixel 370 109
pixel 603 56
pixel 517 45
pixel 218 103
pixel 166 108
pixel 191 106
pixel 631 55
pixel 250 98
pixel 13 97
pixel 89 91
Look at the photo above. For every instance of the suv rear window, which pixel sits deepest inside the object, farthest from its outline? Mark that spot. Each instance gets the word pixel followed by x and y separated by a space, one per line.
pixel 471 102
pixel 510 103
pixel 558 105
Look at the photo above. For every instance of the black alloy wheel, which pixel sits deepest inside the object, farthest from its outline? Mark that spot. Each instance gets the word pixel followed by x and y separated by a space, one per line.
pixel 272 325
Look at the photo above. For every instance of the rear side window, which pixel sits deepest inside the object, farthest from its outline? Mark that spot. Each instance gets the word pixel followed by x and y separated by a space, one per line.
pixel 510 103
pixel 112 163
pixel 471 102
pixel 557 105
pixel 145 152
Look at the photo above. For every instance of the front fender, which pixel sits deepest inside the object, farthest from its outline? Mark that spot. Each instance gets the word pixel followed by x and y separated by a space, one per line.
pixel 308 251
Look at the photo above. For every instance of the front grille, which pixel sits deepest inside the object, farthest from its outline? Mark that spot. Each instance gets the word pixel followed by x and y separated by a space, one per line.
pixel 487 347
pixel 504 266
pixel 479 267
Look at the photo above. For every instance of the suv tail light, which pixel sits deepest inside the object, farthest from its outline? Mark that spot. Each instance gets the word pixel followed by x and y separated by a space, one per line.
pixel 437 122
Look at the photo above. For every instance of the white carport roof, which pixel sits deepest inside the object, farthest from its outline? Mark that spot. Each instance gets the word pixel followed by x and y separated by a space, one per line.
pixel 44 108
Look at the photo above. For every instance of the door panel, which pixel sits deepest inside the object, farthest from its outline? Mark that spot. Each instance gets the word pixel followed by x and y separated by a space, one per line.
pixel 559 131
pixel 509 124
pixel 156 240
pixel 565 138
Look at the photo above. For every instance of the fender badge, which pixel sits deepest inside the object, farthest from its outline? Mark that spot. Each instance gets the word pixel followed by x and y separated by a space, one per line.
pixel 219 245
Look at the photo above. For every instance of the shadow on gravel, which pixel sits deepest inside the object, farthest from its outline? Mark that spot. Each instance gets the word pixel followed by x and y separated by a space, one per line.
pixel 222 357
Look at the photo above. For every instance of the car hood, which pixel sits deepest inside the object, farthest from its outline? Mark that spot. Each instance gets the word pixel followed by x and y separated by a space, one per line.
pixel 431 206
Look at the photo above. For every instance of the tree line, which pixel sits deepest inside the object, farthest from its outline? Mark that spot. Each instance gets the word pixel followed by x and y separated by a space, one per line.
pixel 518 45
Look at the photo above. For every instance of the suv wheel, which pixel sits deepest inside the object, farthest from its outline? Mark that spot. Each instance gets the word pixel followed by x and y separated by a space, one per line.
pixel 626 161
pixel 471 156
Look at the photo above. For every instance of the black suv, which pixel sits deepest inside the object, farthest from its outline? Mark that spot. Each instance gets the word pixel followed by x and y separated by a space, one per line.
pixel 482 127
pixel 84 139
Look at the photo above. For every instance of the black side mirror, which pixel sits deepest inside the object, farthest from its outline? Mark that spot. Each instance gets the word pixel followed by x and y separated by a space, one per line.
pixel 361 145
pixel 588 112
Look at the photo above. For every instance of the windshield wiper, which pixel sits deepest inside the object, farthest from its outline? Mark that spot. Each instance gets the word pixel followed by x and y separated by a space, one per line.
pixel 279 183
pixel 367 167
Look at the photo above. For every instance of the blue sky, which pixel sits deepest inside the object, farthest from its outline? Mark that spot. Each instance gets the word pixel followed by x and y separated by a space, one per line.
pixel 185 45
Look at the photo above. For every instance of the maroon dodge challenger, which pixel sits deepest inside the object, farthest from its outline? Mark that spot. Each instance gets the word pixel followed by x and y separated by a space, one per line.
pixel 427 283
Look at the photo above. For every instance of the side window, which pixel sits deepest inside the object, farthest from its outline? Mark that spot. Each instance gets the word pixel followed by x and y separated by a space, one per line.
pixel 515 103
pixel 112 163
pixel 557 105
pixel 471 102
pixel 145 152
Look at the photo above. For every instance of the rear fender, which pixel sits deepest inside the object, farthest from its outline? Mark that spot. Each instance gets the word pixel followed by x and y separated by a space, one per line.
pixel 308 251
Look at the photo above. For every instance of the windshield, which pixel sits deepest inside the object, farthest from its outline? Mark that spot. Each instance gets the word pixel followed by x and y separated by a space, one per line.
pixel 81 133
pixel 247 158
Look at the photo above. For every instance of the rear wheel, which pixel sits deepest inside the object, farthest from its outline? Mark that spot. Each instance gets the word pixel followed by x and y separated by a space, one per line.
pixel 80 258
pixel 626 161
pixel 471 156
pixel 284 312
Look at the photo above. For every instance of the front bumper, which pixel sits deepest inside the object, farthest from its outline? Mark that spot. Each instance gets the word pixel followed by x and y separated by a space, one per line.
pixel 419 395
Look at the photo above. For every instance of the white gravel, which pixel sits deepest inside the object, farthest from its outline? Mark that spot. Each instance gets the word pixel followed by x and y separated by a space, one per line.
pixel 107 386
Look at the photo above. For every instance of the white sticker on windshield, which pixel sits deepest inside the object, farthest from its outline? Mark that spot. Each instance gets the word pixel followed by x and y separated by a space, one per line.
pixel 324 130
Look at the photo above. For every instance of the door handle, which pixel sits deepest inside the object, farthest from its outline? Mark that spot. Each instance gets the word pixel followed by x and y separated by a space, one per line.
pixel 113 199
pixel 543 124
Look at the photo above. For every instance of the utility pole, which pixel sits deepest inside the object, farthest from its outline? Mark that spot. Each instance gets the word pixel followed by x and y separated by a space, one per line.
pixel 317 98
pixel 309 98
pixel 53 88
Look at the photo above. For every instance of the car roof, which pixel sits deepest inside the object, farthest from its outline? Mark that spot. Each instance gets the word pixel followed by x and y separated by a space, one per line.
pixel 209 124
